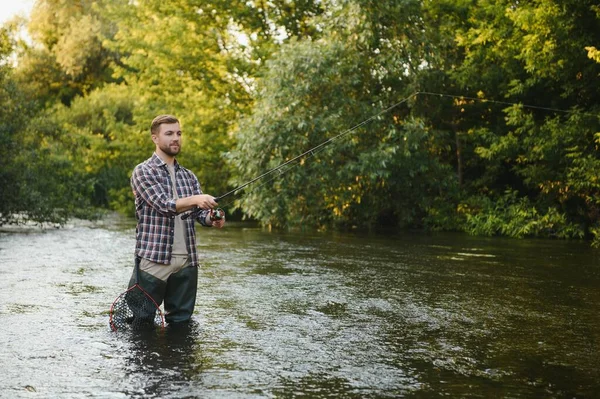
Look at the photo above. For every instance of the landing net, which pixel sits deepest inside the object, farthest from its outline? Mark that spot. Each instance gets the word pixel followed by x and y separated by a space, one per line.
pixel 135 309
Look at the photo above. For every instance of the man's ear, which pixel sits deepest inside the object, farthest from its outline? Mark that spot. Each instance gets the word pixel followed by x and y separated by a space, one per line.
pixel 154 138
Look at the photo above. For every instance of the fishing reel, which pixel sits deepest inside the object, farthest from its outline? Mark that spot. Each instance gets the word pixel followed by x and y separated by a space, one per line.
pixel 216 214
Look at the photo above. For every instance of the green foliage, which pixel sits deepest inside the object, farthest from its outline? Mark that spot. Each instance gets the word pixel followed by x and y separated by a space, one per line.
pixel 44 181
pixel 105 142
pixel 68 58
pixel 257 83
pixel 516 217
pixel 288 119
pixel 381 172
pixel 16 110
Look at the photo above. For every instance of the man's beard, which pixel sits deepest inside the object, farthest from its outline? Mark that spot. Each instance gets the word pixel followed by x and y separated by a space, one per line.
pixel 170 151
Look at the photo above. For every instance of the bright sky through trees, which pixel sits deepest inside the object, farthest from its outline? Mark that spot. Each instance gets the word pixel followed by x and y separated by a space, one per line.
pixel 8 9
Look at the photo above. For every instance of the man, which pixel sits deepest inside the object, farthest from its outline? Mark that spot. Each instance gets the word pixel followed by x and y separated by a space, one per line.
pixel 165 248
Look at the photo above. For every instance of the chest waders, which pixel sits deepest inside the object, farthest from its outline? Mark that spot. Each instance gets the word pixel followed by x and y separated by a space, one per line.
pixel 178 292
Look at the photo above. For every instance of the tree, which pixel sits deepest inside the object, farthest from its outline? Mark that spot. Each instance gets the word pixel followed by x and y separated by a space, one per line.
pixel 547 154
pixel 14 112
pixel 68 58
pixel 316 89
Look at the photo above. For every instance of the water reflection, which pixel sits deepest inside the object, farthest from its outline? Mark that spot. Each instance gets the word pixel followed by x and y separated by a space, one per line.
pixel 161 361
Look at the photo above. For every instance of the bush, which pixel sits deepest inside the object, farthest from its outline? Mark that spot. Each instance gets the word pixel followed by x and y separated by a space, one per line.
pixel 514 216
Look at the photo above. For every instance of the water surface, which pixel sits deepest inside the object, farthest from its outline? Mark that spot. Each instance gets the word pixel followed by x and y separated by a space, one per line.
pixel 305 315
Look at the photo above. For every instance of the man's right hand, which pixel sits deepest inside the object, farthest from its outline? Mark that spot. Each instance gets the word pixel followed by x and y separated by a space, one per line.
pixel 202 201
pixel 205 201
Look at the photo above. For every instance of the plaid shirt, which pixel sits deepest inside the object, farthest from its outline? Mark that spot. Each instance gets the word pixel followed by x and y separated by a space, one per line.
pixel 156 211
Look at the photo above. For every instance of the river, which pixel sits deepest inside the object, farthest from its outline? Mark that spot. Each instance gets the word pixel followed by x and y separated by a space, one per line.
pixel 305 315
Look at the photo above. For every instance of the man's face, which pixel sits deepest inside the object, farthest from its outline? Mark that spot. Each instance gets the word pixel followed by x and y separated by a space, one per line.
pixel 168 139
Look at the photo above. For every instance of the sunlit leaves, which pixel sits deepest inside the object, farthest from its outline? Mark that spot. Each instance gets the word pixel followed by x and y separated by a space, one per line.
pixel 67 54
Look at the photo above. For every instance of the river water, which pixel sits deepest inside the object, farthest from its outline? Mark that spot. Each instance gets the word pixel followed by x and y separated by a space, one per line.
pixel 305 315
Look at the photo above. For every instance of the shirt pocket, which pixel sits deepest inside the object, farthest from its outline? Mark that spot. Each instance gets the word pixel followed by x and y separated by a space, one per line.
pixel 185 189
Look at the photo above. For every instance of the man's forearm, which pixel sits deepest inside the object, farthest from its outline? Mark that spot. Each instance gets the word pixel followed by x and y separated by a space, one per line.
pixel 185 204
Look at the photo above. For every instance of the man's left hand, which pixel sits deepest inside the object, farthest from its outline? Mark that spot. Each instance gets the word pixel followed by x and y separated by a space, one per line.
pixel 219 223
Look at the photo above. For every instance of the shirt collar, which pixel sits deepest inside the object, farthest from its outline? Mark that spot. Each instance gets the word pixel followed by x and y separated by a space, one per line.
pixel 158 161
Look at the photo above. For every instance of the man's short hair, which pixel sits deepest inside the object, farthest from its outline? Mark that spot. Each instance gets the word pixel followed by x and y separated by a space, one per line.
pixel 159 120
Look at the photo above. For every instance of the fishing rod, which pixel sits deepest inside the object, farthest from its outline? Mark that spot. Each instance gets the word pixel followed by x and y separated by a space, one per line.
pixel 218 213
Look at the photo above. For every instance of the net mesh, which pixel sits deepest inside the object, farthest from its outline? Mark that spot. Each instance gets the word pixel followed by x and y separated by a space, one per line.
pixel 136 310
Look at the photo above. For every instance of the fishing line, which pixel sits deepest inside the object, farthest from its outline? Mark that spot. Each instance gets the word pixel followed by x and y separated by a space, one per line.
pixel 493 101
pixel 311 152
